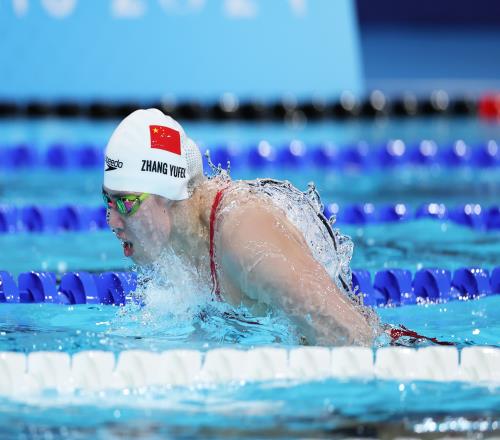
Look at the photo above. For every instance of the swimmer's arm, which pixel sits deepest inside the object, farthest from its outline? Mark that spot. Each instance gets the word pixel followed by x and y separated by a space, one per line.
pixel 263 256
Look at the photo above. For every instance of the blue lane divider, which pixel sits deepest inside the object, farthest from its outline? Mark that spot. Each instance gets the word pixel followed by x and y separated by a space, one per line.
pixel 472 282
pixel 293 154
pixel 391 287
pixel 495 280
pixel 8 288
pixel 362 282
pixel 114 286
pixel 41 219
pixel 397 287
pixel 8 219
pixel 37 287
pixel 79 288
pixel 38 219
pixel 433 284
pixel 471 214
pixel 73 288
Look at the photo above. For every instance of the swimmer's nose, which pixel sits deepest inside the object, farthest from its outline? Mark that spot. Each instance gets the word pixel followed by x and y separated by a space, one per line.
pixel 115 220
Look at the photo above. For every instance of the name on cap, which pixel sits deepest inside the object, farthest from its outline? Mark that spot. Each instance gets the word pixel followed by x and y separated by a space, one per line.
pixel 155 166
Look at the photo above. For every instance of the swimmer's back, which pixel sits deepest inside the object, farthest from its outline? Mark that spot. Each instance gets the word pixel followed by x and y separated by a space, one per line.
pixel 242 213
pixel 302 211
pixel 263 257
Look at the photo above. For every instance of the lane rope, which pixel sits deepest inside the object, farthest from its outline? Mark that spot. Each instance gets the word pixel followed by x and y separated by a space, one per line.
pixel 389 287
pixel 230 107
pixel 362 156
pixel 66 218
pixel 28 374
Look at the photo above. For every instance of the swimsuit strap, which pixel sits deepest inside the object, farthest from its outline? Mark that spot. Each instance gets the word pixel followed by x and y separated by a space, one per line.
pixel 213 268
pixel 397 333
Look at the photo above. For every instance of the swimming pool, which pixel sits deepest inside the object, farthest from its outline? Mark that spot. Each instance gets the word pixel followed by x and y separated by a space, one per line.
pixel 281 408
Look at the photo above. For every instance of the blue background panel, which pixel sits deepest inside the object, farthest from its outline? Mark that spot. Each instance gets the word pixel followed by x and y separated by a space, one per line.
pixel 184 48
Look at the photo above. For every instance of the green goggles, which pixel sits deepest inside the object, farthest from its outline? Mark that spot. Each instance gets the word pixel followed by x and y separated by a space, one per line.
pixel 125 205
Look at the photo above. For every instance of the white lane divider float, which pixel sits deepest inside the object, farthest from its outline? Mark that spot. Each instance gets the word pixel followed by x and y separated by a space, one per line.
pixel 101 370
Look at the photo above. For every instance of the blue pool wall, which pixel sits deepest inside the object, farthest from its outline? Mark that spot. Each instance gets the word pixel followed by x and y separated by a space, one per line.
pixel 419 46
pixel 136 49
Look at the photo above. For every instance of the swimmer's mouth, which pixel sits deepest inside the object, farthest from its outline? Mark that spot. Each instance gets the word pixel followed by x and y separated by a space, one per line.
pixel 128 248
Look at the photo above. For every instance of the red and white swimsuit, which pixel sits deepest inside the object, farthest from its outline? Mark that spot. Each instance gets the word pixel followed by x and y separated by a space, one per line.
pixel 213 267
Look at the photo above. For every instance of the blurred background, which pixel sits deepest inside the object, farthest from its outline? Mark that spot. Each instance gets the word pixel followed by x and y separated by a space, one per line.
pixel 390 108
pixel 450 45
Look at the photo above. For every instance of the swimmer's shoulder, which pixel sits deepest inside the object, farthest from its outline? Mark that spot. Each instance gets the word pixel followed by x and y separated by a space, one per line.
pixel 243 201
pixel 250 216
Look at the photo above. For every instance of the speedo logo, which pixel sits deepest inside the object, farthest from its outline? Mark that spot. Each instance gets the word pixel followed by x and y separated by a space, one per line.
pixel 113 164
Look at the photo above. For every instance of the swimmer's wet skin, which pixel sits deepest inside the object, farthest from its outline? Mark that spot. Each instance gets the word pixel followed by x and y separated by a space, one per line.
pixel 247 244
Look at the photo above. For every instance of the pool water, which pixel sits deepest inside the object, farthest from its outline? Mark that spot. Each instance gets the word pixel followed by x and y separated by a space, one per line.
pixel 168 323
pixel 173 319
pixel 284 409
pixel 327 409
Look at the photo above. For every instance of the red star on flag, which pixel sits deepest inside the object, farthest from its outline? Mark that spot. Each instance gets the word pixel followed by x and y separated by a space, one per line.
pixel 165 138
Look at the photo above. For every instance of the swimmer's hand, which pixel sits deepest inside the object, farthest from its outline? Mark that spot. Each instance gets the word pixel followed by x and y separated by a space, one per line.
pixel 264 256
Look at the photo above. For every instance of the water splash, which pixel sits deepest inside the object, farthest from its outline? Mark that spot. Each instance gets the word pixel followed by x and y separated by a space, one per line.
pixel 168 298
pixel 173 303
pixel 217 170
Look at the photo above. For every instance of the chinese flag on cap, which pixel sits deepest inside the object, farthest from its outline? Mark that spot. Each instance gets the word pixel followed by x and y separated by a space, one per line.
pixel 165 138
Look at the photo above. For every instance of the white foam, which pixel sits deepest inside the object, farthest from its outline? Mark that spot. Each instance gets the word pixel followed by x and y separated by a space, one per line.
pixel 225 364
pixel 397 362
pixel 180 367
pixel 92 370
pixel 267 363
pixel 479 364
pixel 309 363
pixel 98 370
pixel 12 372
pixel 438 364
pixel 50 370
pixel 138 368
pixel 352 362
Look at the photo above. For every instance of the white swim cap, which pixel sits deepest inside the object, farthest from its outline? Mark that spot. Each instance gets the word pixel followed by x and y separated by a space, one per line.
pixel 149 152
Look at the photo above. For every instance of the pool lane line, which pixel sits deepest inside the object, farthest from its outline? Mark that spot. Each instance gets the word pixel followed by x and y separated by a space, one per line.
pixel 389 287
pixel 93 370
pixel 293 154
pixel 229 107
pixel 77 218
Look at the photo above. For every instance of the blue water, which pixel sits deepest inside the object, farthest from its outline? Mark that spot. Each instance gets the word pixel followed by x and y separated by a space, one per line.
pixel 30 327
pixel 283 410
pixel 327 409
pixel 410 245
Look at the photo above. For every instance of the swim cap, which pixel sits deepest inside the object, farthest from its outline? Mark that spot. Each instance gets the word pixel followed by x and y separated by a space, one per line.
pixel 149 152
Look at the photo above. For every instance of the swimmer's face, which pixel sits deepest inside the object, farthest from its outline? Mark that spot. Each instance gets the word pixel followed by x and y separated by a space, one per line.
pixel 145 233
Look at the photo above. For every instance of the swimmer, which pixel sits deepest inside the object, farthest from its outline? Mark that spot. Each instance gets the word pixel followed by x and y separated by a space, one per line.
pixel 242 238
